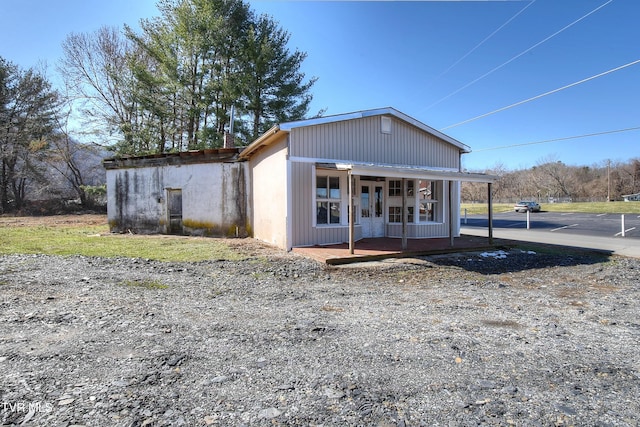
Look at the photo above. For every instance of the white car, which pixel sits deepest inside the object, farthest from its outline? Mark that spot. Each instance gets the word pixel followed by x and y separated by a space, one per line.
pixel 525 206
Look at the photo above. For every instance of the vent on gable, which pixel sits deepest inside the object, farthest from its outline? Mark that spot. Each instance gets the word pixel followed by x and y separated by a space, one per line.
pixel 385 124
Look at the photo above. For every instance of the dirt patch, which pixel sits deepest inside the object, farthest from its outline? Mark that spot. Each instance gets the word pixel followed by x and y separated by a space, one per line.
pixel 53 220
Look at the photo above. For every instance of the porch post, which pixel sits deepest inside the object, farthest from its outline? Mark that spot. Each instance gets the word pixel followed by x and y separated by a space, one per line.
pixel 351 213
pixel 490 207
pixel 450 213
pixel 404 214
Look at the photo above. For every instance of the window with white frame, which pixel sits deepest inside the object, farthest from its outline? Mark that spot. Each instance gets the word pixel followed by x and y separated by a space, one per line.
pixel 395 214
pixel 429 196
pixel 395 188
pixel 328 197
pixel 394 201
pixel 423 201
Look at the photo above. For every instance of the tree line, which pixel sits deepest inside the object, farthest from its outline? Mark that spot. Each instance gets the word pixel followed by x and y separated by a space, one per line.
pixel 171 86
pixel 551 180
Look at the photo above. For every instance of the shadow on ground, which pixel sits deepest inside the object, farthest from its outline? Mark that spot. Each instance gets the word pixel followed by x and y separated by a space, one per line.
pixel 513 223
pixel 510 257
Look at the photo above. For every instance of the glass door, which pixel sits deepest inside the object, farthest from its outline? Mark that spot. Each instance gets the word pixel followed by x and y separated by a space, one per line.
pixel 372 209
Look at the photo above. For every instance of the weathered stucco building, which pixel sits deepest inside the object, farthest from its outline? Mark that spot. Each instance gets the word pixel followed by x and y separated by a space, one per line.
pixel 199 192
pixel 297 184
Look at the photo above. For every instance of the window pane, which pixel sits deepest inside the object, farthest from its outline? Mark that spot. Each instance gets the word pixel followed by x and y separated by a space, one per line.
pixel 321 213
pixel 395 214
pixel 410 186
pixel 410 212
pixel 427 212
pixel 395 188
pixel 378 200
pixel 321 187
pixel 335 213
pixel 423 212
pixel 426 189
pixel 334 187
pixel 364 201
pixel 430 194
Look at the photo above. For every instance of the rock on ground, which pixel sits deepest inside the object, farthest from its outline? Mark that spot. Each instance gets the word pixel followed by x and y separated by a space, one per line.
pixel 526 339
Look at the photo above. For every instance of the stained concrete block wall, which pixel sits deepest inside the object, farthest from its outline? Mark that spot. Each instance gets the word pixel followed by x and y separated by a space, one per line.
pixel 214 198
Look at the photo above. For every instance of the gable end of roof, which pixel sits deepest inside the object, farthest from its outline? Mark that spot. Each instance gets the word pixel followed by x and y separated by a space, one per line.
pixel 387 111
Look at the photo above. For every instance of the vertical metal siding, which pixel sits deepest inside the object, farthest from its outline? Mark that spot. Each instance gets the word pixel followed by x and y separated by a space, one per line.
pixel 302 205
pixel 419 230
pixel 360 140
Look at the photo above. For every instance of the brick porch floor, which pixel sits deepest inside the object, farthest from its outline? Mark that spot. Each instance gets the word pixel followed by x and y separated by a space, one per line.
pixel 385 247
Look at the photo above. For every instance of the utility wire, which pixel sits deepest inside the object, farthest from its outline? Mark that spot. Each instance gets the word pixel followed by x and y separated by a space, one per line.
pixel 544 94
pixel 520 54
pixel 559 139
pixel 482 42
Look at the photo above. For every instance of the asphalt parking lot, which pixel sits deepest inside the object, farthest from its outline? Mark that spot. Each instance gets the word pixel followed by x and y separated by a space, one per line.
pixel 598 225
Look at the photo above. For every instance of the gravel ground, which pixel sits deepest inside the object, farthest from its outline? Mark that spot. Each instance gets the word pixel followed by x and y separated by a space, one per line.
pixel 506 338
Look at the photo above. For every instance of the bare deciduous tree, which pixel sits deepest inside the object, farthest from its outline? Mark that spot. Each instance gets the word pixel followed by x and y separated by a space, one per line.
pixel 97 75
pixel 551 179
pixel 75 162
pixel 28 106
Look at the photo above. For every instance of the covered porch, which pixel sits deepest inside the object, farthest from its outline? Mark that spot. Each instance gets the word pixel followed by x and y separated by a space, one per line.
pixel 408 210
pixel 371 249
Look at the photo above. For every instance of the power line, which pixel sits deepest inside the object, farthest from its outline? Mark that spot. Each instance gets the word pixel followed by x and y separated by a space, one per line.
pixel 482 42
pixel 559 139
pixel 544 94
pixel 519 55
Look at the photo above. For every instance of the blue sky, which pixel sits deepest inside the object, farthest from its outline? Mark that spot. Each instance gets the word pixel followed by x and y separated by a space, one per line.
pixel 441 62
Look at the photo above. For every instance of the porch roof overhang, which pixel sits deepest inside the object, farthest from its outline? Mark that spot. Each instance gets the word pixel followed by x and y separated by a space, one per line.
pixel 394 171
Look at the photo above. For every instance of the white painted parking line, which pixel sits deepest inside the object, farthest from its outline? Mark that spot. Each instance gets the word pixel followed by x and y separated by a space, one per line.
pixel 566 226
pixel 566 213
pixel 626 231
pixel 601 214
